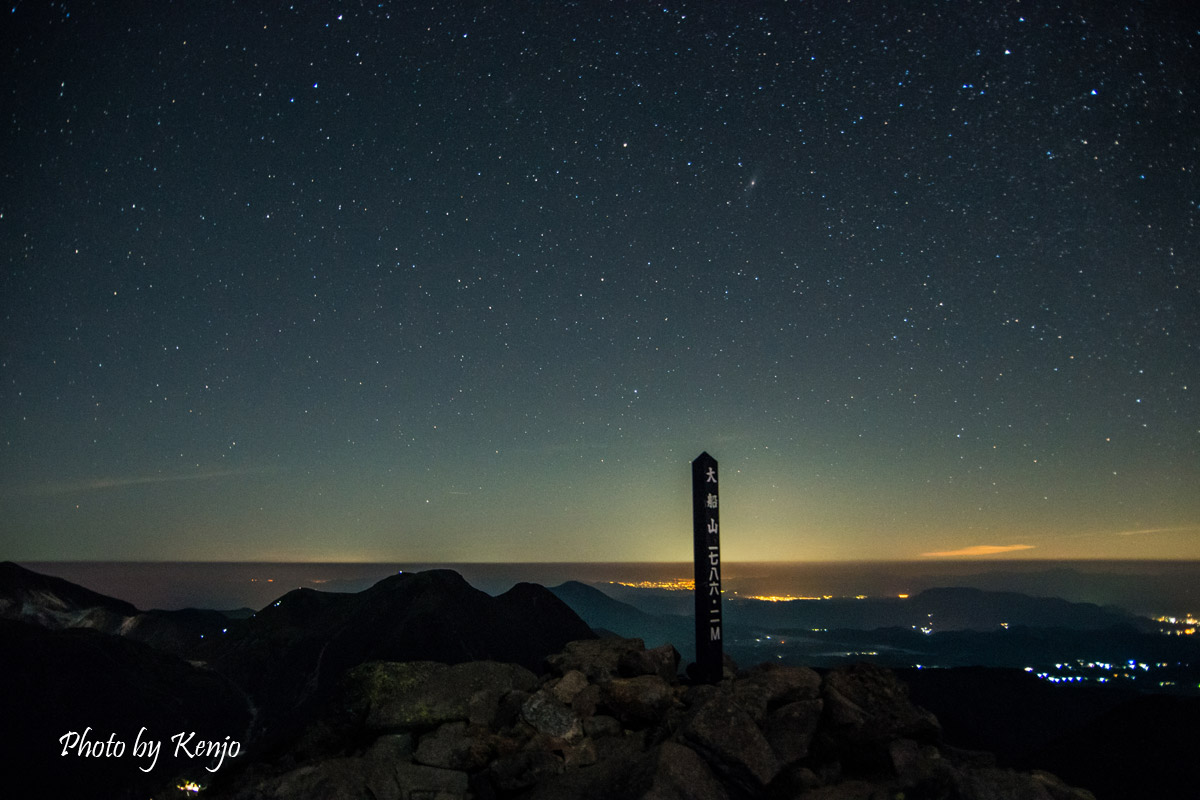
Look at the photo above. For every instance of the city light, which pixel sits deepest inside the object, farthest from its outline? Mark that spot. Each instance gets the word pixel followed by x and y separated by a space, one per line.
pixel 673 585
pixel 1107 672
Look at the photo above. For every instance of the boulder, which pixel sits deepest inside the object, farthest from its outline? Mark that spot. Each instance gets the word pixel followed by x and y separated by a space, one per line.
pixel 455 746
pixel 662 661
pixel 552 718
pixel 587 700
pixel 866 707
pixel 678 773
pixel 349 778
pixel 638 702
pixel 569 685
pixel 999 784
pixel 523 769
pixel 423 694
pixel 769 686
pixel 333 778
pixel 417 782
pixel 1058 789
pixel 729 740
pixel 907 758
pixel 581 754
pixel 598 659
pixel 790 729
pixel 601 725
pixel 848 790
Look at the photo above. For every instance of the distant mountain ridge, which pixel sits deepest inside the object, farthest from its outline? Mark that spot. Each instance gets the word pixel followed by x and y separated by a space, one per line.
pixel 603 612
pixel 968 608
pixel 940 609
pixel 57 604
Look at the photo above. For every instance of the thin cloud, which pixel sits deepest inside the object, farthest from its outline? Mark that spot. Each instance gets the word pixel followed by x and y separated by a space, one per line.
pixel 122 482
pixel 980 550
pixel 1145 531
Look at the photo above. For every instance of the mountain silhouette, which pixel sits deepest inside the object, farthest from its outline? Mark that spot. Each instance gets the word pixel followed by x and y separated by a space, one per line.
pixel 56 604
pixel 940 609
pixel 289 655
pixel 601 611
pixel 955 608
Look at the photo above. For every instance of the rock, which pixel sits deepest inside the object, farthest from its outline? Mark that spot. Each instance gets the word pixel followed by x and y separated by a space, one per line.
pixel 422 694
pixel 849 790
pixel 333 778
pixel 487 731
pixel 914 763
pixel 726 736
pixel 865 707
pixel 602 780
pixel 680 774
pixel 582 754
pixel 391 690
pixel 661 661
pixel 391 747
pixel 999 784
pixel 602 725
pixel 790 729
pixel 638 702
pixel 379 777
pixel 508 714
pixel 1060 790
pixel 569 685
pixel 350 778
pixel 598 659
pixel 355 779
pixel 769 686
pixel 417 782
pixel 455 746
pixel 794 781
pixel 586 702
pixel 523 769
pixel 551 718
pixel 905 754
pixel 729 669
pixel 966 758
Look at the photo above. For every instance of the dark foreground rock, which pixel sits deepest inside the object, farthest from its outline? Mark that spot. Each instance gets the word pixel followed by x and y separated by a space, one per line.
pixel 611 720
pixel 102 687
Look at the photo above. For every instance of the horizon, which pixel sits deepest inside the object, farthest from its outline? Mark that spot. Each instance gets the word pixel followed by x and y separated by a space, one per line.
pixel 1143 586
pixel 681 562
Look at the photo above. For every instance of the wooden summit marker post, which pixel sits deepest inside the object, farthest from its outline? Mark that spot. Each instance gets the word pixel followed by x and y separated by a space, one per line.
pixel 706 543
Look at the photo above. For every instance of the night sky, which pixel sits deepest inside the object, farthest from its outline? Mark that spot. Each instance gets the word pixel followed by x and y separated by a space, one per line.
pixel 351 281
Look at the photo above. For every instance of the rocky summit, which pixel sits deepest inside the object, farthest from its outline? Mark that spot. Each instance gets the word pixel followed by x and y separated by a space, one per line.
pixel 612 719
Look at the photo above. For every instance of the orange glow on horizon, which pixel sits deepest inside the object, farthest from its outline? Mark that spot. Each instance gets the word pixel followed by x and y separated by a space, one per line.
pixel 979 550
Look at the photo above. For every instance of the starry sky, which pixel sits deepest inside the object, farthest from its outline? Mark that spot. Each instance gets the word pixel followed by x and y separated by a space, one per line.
pixel 476 282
